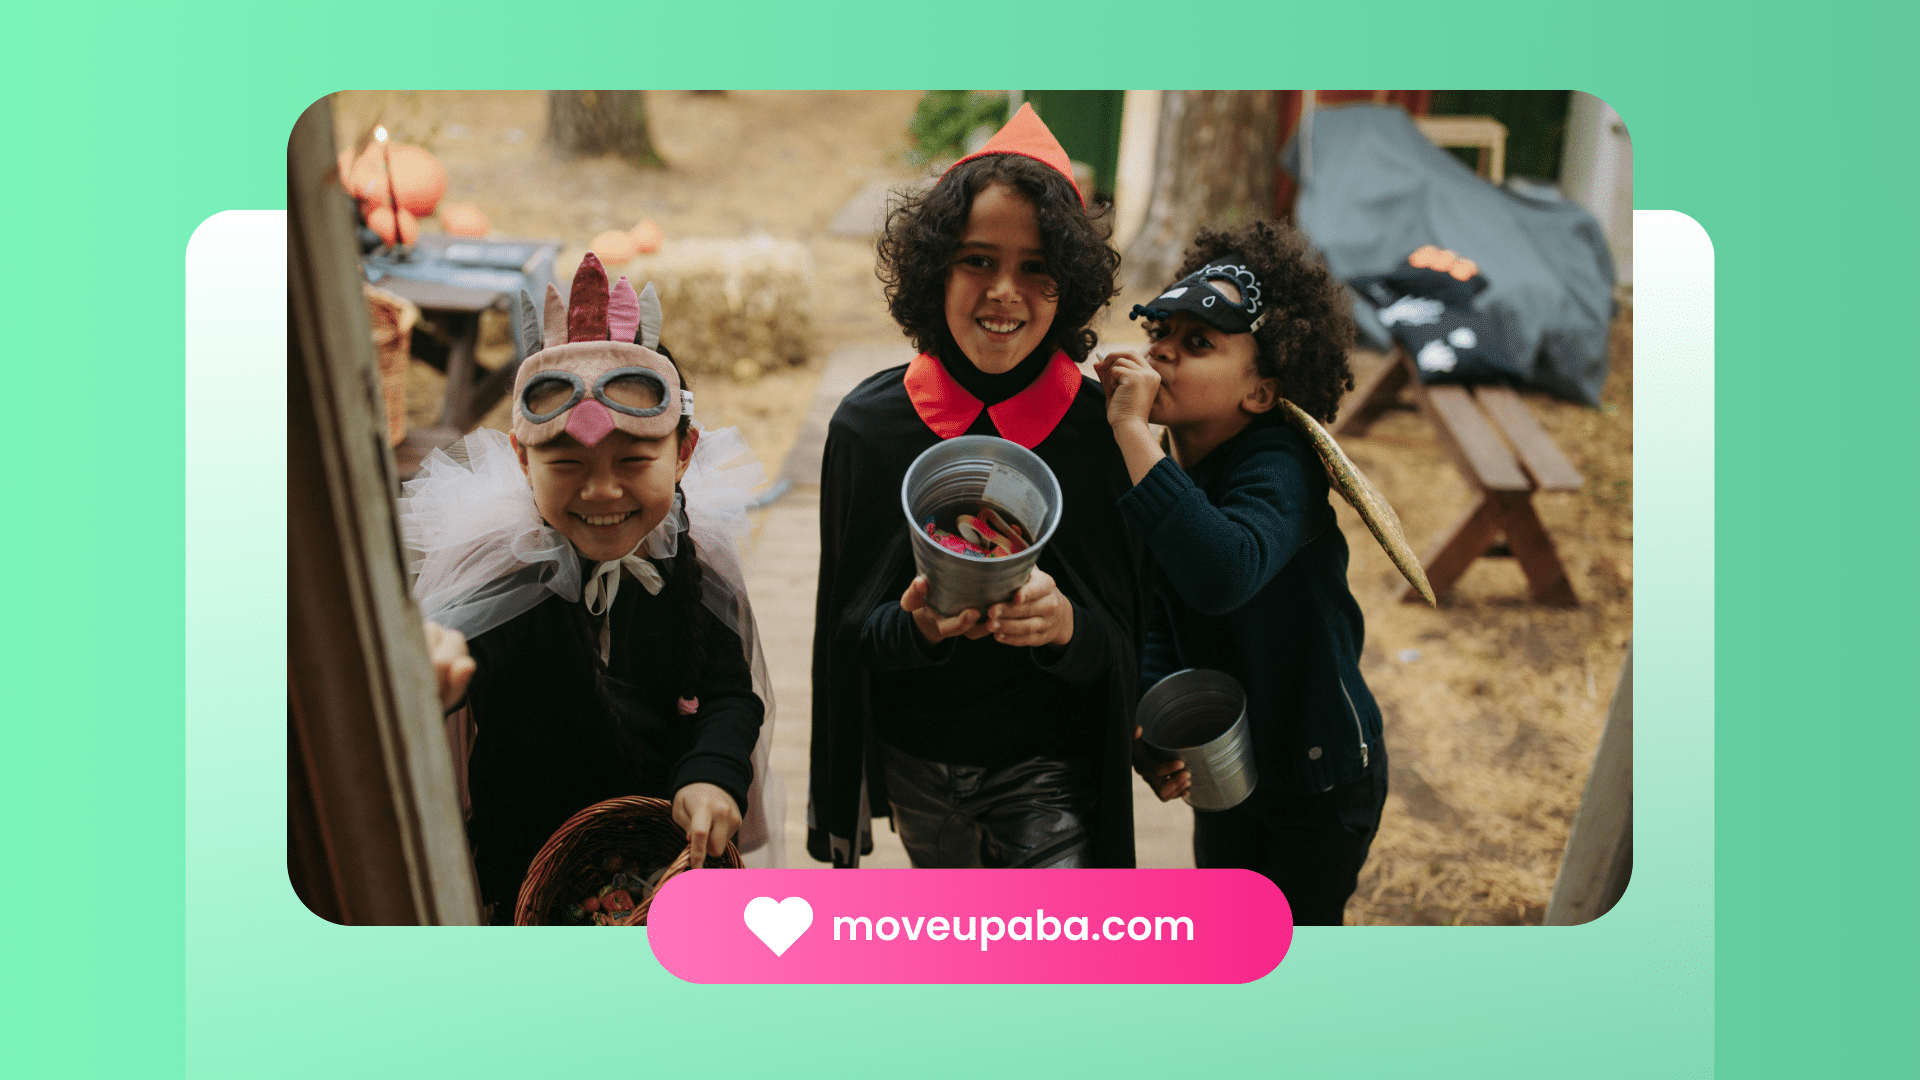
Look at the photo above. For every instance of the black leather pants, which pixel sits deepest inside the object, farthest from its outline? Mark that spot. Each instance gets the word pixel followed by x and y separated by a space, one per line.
pixel 1030 815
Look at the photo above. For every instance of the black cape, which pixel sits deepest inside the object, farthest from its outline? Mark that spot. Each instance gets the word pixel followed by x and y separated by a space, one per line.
pixel 865 561
pixel 554 736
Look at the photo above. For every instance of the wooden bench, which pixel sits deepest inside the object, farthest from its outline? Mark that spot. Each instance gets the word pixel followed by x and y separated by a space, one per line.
pixel 1501 450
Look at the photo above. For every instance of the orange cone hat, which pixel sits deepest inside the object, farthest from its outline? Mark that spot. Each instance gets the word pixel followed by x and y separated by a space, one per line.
pixel 1027 136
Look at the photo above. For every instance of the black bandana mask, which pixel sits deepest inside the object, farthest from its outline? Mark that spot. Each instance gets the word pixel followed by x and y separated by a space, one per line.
pixel 1195 293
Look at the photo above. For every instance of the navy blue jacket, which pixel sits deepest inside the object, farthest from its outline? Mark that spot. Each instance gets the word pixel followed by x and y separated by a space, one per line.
pixel 1251 579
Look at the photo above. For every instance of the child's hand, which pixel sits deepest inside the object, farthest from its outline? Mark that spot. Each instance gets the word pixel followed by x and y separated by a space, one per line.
pixel 933 626
pixel 709 816
pixel 452 666
pixel 1130 383
pixel 1168 779
pixel 1038 614
pixel 1429 257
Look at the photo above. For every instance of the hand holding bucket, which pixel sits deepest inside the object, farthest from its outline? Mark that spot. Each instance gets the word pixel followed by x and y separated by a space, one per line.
pixel 956 476
pixel 1200 717
pixel 1169 779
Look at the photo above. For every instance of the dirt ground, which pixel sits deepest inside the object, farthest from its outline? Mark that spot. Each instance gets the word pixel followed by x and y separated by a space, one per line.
pixel 1493 705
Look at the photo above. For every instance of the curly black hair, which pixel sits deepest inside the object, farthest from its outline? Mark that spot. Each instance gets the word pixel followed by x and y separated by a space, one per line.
pixel 922 233
pixel 1309 322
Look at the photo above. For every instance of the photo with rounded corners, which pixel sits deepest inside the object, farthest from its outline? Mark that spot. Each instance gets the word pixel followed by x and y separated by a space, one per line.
pixel 1491 410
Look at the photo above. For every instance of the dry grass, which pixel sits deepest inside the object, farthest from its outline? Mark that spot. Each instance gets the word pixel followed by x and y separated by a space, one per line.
pixel 1492 728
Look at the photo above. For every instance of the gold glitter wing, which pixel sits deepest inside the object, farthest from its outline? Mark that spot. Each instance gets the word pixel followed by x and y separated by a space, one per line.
pixel 1364 497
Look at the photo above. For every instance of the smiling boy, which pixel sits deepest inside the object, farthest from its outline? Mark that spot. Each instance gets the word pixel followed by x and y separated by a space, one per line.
pixel 994 738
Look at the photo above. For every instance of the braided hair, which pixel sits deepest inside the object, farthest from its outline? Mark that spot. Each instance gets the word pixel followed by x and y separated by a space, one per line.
pixel 685 576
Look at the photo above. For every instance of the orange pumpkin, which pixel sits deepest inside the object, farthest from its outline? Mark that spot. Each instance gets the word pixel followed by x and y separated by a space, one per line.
pixel 647 237
pixel 419 180
pixel 613 246
pixel 380 220
pixel 464 219
pixel 367 173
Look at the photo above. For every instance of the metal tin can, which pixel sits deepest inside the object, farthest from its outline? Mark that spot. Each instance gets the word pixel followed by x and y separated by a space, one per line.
pixel 1200 717
pixel 969 471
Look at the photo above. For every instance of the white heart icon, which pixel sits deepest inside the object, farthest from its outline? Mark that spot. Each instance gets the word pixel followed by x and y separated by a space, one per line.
pixel 778 923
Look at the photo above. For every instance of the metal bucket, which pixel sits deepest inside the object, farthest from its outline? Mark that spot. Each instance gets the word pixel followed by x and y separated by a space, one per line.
pixel 1200 717
pixel 975 469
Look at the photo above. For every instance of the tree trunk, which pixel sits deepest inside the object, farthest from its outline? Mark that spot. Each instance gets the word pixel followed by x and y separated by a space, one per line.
pixel 593 122
pixel 1214 164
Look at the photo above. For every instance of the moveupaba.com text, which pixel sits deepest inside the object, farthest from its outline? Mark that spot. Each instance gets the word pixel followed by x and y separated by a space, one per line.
pixel 1039 926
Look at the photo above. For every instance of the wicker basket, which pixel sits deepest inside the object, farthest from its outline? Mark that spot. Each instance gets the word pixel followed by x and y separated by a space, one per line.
pixel 637 828
pixel 392 319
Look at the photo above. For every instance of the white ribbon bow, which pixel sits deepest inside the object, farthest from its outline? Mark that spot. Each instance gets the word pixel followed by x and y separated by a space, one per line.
pixel 604 583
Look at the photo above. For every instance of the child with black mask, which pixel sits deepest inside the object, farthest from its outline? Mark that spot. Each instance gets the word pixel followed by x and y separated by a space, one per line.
pixel 1249 349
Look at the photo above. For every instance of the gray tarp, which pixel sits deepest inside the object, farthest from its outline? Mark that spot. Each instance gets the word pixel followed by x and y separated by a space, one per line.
pixel 1378 189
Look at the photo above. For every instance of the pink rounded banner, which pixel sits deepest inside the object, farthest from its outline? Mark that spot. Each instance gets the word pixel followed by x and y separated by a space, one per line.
pixel 970 926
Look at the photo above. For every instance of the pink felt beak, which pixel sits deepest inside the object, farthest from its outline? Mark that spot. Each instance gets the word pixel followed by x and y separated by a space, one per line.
pixel 590 422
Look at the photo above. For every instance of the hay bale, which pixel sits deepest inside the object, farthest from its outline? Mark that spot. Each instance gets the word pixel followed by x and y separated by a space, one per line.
pixel 731 300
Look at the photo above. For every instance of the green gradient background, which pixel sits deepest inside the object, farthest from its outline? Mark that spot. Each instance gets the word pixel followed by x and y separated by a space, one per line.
pixel 129 127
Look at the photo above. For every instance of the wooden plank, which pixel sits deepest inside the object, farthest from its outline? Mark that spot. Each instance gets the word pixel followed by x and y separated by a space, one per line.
pixel 1472 441
pixel 377 790
pixel 1599 856
pixel 440 295
pixel 1538 452
pixel 1484 133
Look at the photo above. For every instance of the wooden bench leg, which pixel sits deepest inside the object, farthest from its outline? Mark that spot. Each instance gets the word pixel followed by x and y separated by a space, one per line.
pixel 492 386
pixel 1546 577
pixel 1446 560
pixel 455 408
pixel 1495 514
pixel 1379 393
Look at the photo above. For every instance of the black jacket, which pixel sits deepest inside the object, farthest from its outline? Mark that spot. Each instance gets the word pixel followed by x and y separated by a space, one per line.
pixel 1250 578
pixel 556 736
pixel 863 655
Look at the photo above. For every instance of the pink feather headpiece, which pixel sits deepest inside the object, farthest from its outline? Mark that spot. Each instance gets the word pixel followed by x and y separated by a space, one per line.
pixel 594 369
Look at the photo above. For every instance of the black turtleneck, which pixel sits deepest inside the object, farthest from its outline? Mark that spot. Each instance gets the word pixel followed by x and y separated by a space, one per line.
pixel 994 389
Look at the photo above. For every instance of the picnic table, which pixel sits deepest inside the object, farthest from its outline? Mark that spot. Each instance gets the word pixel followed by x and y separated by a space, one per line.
pixel 453 280
pixel 1503 452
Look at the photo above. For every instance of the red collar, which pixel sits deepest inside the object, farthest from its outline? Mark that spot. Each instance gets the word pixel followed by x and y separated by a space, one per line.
pixel 1027 417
